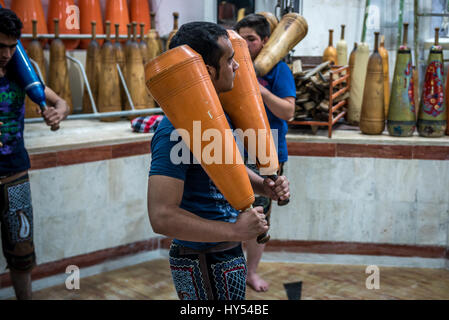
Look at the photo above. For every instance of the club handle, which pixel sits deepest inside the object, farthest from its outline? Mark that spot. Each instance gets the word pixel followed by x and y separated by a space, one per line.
pixel 54 127
pixel 263 238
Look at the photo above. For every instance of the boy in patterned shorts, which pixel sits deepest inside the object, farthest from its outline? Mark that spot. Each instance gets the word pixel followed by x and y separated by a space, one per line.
pixel 16 212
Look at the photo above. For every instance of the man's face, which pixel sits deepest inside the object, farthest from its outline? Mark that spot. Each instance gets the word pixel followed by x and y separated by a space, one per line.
pixel 255 43
pixel 7 49
pixel 224 80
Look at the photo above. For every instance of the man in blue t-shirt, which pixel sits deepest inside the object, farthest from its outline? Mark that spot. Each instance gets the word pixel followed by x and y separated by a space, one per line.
pixel 16 212
pixel 278 92
pixel 206 257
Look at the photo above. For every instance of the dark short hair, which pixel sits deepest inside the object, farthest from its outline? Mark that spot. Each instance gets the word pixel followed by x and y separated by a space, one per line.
pixel 203 38
pixel 10 24
pixel 257 22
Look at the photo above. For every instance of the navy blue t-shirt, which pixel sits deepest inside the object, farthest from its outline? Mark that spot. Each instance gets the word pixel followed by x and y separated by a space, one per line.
pixel 281 83
pixel 200 196
pixel 13 155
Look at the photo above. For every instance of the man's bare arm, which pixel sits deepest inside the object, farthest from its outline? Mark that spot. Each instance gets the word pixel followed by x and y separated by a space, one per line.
pixel 167 218
pixel 57 110
pixel 283 108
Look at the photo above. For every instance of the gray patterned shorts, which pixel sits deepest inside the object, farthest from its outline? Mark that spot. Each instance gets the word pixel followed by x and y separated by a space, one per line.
pixel 16 218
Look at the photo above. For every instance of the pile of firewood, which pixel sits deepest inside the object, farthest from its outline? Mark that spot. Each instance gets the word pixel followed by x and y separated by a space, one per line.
pixel 312 92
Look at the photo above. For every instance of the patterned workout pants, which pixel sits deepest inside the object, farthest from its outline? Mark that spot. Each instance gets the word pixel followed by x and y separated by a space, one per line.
pixel 218 273
pixel 16 218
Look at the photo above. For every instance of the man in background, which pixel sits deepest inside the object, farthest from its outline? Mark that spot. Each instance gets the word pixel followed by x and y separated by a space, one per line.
pixel 278 92
pixel 16 212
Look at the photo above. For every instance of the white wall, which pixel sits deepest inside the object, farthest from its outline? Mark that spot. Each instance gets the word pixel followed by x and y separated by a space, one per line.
pixel 322 15
pixel 88 207
pixel 365 200
pixel 192 10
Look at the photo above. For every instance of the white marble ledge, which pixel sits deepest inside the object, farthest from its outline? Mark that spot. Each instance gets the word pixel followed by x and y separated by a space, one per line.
pixel 76 134
pixel 356 137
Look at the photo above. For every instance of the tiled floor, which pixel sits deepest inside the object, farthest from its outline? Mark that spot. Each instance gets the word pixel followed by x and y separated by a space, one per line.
pixel 152 280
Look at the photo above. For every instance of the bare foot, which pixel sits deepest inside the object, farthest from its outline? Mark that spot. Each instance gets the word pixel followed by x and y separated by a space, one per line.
pixel 257 283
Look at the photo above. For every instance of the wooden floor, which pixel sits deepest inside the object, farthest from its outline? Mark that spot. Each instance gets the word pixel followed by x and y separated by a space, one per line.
pixel 152 280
